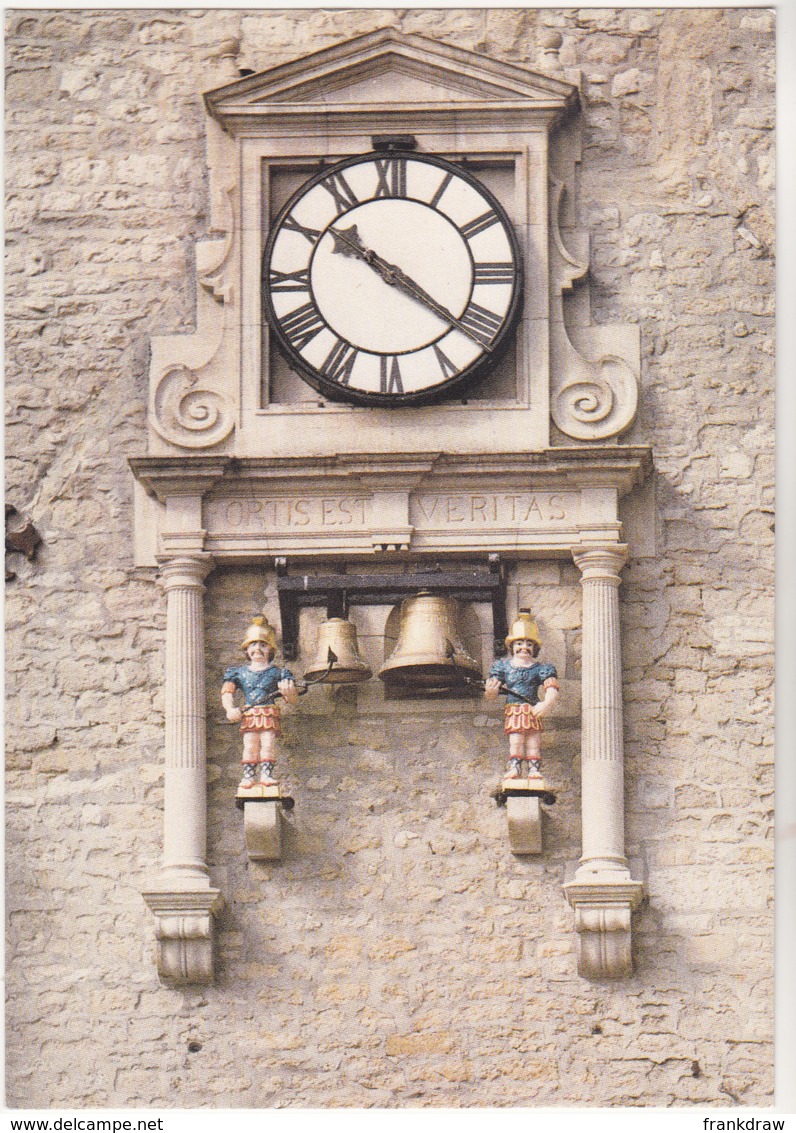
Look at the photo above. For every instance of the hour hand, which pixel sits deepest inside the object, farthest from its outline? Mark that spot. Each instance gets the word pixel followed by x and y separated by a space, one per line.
pixel 348 242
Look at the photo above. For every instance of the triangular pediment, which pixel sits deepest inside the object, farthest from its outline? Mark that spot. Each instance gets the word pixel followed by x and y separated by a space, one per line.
pixel 387 67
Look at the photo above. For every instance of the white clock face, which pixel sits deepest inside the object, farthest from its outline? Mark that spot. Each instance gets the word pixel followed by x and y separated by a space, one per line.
pixel 390 279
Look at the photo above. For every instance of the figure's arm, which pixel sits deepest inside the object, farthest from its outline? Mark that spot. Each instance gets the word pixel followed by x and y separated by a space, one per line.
pixel 287 687
pixel 492 688
pixel 228 702
pixel 493 682
pixel 550 697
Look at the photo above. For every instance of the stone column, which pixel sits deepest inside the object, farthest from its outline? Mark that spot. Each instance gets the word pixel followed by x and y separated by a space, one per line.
pixel 182 899
pixel 602 892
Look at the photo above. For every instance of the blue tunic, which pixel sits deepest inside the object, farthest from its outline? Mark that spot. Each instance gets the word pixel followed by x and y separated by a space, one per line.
pixel 258 686
pixel 525 682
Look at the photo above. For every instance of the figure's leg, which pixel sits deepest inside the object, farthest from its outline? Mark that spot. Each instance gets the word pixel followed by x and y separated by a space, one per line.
pixel 514 770
pixel 267 757
pixel 251 750
pixel 533 753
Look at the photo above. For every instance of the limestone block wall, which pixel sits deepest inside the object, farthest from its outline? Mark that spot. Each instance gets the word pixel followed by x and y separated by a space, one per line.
pixel 399 955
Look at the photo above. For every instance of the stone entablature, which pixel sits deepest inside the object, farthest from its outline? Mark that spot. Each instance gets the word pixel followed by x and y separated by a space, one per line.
pixel 432 503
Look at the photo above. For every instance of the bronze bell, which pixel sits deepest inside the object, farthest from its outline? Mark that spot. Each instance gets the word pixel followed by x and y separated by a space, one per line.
pixel 429 658
pixel 339 635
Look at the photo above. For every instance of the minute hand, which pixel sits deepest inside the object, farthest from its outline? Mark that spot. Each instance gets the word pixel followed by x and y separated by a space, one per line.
pixel 348 242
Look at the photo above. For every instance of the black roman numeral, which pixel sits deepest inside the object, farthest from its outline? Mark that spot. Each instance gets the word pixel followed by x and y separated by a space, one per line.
pixel 479 223
pixel 445 364
pixel 482 323
pixel 340 362
pixel 391 376
pixel 446 180
pixel 494 273
pixel 344 196
pixel 289 280
pixel 392 177
pixel 290 224
pixel 302 325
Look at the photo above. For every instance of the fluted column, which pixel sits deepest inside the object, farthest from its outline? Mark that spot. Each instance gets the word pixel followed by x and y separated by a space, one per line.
pixel 185 805
pixel 182 898
pixel 602 751
pixel 602 891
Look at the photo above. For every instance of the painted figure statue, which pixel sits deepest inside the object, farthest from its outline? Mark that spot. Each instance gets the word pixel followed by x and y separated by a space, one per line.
pixel 261 682
pixel 531 690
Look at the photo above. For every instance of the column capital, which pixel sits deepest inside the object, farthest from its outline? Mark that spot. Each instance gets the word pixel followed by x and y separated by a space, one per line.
pixel 601 561
pixel 184 571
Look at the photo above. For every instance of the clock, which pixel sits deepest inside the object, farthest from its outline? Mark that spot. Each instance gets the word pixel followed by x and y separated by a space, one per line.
pixel 392 278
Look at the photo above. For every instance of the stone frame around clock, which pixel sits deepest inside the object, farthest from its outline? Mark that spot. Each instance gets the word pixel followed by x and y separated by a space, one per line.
pixel 206 389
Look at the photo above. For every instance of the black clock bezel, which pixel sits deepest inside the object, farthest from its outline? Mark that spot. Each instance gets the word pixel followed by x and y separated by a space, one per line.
pixel 458 383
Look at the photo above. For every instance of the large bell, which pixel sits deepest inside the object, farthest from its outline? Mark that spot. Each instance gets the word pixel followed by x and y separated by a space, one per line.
pixel 339 635
pixel 429 658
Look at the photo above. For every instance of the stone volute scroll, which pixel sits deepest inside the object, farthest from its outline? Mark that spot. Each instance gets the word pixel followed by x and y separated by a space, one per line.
pixel 594 369
pixel 192 394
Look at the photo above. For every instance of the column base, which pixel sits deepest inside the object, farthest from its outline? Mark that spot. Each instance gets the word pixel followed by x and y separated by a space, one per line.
pixel 603 905
pixel 184 932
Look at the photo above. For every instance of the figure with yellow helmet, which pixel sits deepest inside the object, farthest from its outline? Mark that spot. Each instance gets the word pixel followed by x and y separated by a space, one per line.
pixel 260 682
pixel 531 690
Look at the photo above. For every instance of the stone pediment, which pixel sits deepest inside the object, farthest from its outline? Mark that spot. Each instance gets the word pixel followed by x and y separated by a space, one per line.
pixel 384 68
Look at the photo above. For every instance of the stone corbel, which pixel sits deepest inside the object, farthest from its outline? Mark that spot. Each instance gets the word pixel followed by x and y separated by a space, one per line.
pixel 602 922
pixel 184 932
pixel 524 816
pixel 262 821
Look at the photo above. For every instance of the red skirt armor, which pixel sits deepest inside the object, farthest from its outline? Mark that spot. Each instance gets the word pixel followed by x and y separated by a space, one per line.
pixel 520 718
pixel 262 718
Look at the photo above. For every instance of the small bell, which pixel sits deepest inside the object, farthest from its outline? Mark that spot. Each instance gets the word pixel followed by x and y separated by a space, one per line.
pixel 340 636
pixel 429 658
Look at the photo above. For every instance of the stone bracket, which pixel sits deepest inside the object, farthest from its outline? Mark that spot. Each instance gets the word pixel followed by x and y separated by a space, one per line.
pixel 524 813
pixel 525 824
pixel 262 823
pixel 603 923
pixel 184 932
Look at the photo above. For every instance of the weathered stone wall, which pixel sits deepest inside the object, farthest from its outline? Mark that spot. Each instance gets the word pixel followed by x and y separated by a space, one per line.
pixel 400 955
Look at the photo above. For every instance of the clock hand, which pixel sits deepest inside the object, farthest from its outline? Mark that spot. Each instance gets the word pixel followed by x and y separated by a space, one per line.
pixel 348 242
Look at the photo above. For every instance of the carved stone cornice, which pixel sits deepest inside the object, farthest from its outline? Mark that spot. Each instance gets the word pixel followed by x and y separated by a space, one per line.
pixel 428 502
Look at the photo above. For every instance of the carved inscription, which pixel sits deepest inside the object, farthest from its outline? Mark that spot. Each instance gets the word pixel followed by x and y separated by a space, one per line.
pixel 287 513
pixel 325 514
pixel 494 509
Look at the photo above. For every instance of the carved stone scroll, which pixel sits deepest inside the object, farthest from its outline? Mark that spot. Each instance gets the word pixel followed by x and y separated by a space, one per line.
pixel 187 414
pixel 594 369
